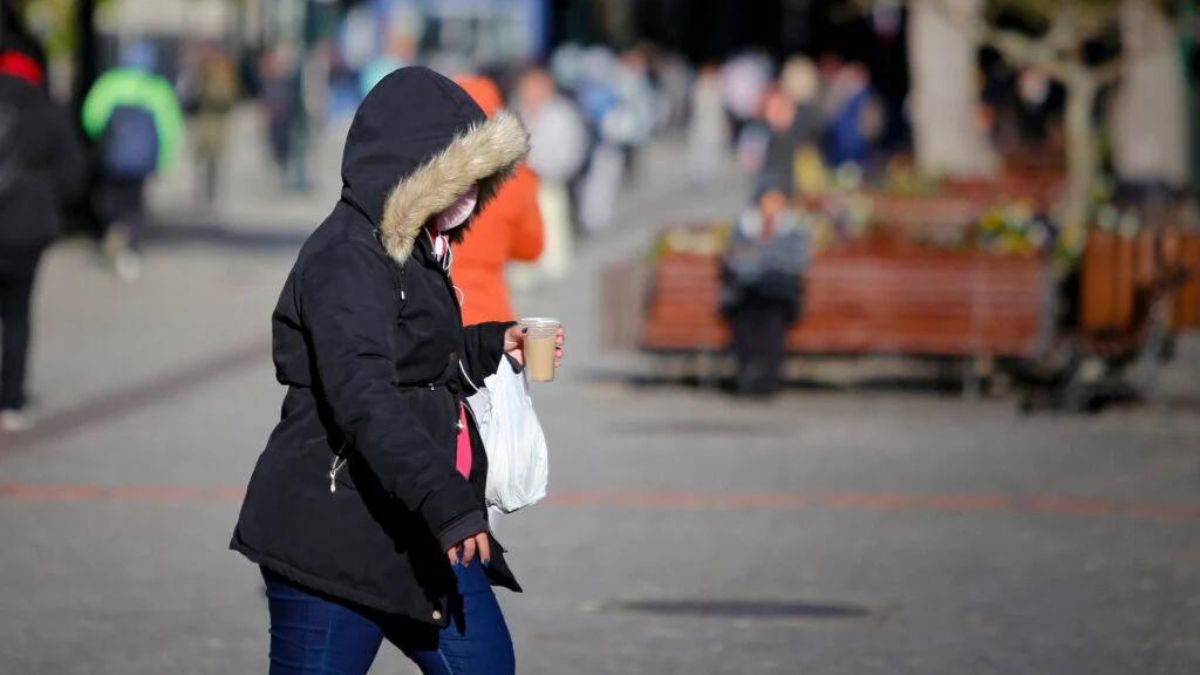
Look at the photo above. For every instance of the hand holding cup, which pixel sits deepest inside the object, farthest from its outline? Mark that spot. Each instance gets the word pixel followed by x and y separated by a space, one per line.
pixel 537 344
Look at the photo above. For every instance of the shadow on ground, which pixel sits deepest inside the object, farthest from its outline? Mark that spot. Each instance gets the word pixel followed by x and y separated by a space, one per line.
pixel 209 234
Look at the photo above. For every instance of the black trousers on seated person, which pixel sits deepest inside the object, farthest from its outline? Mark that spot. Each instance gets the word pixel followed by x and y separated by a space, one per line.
pixel 760 328
pixel 18 269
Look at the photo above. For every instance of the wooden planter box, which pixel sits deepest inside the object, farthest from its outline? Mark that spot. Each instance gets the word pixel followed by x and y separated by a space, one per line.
pixel 943 216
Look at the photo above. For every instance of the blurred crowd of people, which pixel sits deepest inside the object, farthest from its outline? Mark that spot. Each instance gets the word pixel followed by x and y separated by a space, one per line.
pixel 591 111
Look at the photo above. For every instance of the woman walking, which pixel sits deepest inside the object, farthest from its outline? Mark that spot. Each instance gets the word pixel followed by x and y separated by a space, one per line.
pixel 510 229
pixel 366 509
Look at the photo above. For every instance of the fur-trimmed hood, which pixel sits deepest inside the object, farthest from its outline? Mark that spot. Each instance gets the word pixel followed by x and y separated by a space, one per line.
pixel 418 143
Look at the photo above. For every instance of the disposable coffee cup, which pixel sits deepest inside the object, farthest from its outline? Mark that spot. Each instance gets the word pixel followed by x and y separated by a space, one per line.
pixel 540 345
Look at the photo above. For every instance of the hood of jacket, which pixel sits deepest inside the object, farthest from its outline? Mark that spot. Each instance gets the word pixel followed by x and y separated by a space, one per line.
pixel 418 143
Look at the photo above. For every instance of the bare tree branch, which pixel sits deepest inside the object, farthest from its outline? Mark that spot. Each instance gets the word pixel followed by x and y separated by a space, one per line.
pixel 1016 48
pixel 1063 35
pixel 1021 50
pixel 1058 51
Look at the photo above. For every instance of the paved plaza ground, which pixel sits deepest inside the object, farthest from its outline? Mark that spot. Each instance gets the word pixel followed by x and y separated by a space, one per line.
pixel 827 531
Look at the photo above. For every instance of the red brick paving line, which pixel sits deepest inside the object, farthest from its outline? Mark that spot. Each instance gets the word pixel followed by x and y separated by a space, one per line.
pixel 686 501
pixel 169 385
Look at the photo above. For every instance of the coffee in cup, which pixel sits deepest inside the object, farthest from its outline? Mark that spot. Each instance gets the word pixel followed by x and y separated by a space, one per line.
pixel 541 343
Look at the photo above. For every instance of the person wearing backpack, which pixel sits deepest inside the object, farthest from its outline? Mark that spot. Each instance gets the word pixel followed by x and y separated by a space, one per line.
pixel 134 120
pixel 41 169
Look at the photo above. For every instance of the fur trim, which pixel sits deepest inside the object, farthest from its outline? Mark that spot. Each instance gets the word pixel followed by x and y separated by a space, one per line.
pixel 486 154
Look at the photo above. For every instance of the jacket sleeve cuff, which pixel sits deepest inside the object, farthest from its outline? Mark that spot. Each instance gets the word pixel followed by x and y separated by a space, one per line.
pixel 485 348
pixel 462 527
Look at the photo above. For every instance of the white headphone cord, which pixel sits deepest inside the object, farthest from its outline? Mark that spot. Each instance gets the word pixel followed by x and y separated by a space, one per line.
pixel 468 377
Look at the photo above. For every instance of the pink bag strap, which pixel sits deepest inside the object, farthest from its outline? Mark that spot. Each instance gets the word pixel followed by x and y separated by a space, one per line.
pixel 462 455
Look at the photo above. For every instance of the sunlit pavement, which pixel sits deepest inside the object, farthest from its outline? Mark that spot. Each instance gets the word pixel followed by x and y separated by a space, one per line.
pixel 823 532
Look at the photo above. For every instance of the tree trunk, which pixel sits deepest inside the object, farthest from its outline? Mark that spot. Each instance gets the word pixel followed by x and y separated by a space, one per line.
pixel 942 60
pixel 1149 114
pixel 86 62
pixel 1083 159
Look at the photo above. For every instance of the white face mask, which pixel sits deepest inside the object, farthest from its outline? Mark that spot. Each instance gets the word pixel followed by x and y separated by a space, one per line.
pixel 458 212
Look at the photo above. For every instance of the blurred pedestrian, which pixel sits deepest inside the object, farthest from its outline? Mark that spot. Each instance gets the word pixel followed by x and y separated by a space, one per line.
pixel 41 169
pixel 762 294
pixel 508 229
pixel 558 133
pixel 801 82
pixel 600 187
pixel 591 79
pixel 744 80
pixel 400 50
pixel 779 163
pixel 597 98
pixel 857 118
pixel 632 122
pixel 708 128
pixel 133 117
pixel 366 511
pixel 672 77
pixel 622 109
pixel 559 142
pixel 214 96
pixel 286 115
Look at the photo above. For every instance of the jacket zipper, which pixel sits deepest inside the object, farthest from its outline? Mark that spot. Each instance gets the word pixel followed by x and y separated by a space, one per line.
pixel 336 465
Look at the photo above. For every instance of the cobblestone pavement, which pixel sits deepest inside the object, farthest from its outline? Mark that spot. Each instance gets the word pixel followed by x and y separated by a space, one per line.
pixel 839 531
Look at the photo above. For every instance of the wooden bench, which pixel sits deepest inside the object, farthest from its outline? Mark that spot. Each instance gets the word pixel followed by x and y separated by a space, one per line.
pixel 1136 292
pixel 1117 269
pixel 1187 309
pixel 918 302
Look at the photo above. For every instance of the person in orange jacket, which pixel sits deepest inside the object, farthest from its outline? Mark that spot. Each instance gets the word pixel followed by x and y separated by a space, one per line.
pixel 509 228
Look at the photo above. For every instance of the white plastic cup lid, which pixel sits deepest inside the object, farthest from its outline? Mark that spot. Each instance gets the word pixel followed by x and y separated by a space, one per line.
pixel 540 325
pixel 540 322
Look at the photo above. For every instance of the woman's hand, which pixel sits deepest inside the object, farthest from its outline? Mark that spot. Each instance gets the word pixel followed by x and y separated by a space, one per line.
pixel 514 344
pixel 466 549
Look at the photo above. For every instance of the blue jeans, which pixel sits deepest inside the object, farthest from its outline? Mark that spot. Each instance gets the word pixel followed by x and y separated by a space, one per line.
pixel 311 635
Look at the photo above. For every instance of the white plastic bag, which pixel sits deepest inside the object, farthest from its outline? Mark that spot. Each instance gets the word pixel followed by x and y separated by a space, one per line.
pixel 513 438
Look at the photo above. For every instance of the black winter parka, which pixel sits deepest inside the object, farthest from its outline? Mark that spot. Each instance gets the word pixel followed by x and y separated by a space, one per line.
pixel 41 165
pixel 369 342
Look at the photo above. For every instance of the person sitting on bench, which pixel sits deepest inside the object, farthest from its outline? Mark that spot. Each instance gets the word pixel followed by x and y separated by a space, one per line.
pixel 762 289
